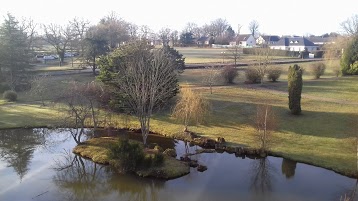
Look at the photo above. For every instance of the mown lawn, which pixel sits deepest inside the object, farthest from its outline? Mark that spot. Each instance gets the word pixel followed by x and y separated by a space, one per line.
pixel 323 135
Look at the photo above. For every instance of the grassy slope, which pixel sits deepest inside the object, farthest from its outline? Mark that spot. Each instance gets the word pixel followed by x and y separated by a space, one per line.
pixel 322 136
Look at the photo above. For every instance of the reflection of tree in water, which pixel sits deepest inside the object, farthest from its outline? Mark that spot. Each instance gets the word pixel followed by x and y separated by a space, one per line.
pixel 351 194
pixel 17 147
pixel 81 179
pixel 288 168
pixel 261 179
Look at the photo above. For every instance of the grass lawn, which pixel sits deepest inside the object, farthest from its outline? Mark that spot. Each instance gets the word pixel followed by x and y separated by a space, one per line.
pixel 214 55
pixel 323 135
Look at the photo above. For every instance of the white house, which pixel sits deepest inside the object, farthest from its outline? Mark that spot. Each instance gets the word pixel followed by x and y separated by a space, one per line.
pixel 294 44
pixel 267 39
pixel 244 40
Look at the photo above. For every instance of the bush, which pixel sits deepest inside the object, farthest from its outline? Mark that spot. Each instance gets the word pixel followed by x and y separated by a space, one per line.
pixel 158 159
pixel 228 74
pixel 317 69
pixel 10 95
pixel 273 73
pixel 349 60
pixel 129 155
pixel 252 75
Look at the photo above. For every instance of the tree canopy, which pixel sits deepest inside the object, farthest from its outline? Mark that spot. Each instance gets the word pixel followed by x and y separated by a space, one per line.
pixel 349 60
pixel 14 50
pixel 141 79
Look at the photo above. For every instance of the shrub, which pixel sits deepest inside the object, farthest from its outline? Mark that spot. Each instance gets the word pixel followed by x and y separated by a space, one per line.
pixel 158 159
pixel 317 69
pixel 228 74
pixel 129 155
pixel 10 95
pixel 273 73
pixel 252 75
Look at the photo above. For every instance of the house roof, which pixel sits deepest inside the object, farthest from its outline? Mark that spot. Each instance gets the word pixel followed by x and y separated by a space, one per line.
pixel 272 38
pixel 243 37
pixel 319 39
pixel 294 41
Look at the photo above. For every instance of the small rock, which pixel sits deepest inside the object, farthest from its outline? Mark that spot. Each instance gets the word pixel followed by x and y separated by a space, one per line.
pixel 201 168
pixel 220 140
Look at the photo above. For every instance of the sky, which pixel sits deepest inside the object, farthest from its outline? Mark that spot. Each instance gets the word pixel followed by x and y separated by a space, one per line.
pixel 278 17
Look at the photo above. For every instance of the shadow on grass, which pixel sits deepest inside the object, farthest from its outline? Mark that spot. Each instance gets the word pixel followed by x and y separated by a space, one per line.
pixel 233 115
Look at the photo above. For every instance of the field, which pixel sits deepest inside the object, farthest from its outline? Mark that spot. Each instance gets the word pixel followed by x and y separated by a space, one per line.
pixel 324 135
pixel 214 55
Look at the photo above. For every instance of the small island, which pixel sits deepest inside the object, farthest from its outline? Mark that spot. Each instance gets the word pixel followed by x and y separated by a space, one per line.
pixel 98 150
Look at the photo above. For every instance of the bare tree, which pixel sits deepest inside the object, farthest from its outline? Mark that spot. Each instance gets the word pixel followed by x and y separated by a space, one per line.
pixel 350 26
pixel 234 53
pixel 263 60
pixel 59 37
pixel 133 30
pixel 191 107
pixel 164 35
pixel 81 105
pixel 115 30
pixel 174 37
pixel 145 32
pixel 79 28
pixel 29 27
pixel 145 79
pixel 211 76
pixel 265 123
pixel 219 26
pixel 39 87
pixel 254 27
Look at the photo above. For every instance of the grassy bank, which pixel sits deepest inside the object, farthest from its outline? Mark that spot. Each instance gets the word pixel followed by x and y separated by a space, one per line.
pixel 323 135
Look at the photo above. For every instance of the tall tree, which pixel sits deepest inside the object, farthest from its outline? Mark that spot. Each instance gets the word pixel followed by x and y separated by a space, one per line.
pixel 186 39
pixel 79 29
pixel 164 35
pixel 59 37
pixel 295 89
pixel 94 45
pixel 349 60
pixel 14 51
pixel 254 28
pixel 350 25
pixel 115 29
pixel 143 78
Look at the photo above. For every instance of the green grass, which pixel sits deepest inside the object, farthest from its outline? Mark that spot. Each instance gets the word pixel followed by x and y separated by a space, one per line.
pixel 214 55
pixel 323 135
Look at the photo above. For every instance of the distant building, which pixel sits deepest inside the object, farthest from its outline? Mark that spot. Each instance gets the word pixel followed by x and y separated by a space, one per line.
pixel 267 39
pixel 297 44
pixel 203 41
pixel 244 40
pixel 320 41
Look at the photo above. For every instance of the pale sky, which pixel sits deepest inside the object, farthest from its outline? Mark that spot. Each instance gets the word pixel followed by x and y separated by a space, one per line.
pixel 275 16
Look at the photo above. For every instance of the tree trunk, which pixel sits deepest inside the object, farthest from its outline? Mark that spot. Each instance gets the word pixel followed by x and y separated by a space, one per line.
pixel 94 66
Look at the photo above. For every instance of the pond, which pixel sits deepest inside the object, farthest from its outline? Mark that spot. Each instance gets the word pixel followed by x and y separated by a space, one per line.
pixel 37 164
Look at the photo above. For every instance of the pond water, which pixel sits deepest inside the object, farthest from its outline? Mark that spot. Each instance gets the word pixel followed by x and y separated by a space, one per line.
pixel 37 164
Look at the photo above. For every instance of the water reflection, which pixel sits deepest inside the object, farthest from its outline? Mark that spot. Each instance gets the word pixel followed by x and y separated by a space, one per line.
pixel 80 179
pixel 288 168
pixel 262 176
pixel 17 148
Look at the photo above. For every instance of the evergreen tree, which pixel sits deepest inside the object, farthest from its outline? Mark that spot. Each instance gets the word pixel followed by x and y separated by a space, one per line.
pixel 349 60
pixel 14 52
pixel 295 89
